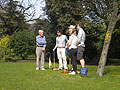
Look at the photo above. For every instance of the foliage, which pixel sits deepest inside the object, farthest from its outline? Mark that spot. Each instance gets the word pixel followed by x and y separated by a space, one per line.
pixel 11 18
pixel 63 13
pixel 114 17
pixel 95 16
pixel 23 43
pixel 5 52
pixel 115 44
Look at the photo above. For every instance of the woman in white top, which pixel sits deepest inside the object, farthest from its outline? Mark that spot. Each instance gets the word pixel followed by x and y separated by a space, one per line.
pixel 72 45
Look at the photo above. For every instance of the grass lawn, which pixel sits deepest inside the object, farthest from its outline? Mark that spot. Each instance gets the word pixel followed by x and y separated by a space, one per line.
pixel 23 76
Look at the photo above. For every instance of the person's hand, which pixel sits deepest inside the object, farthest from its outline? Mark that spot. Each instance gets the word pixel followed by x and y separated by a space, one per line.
pixel 53 49
pixel 43 49
pixel 77 42
pixel 66 47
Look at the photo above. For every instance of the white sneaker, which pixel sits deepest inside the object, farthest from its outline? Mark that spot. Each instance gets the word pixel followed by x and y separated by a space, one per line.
pixel 66 68
pixel 59 68
pixel 37 68
pixel 72 73
pixel 78 72
pixel 42 68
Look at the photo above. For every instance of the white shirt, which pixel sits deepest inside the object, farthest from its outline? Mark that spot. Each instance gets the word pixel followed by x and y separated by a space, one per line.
pixel 81 37
pixel 61 40
pixel 74 42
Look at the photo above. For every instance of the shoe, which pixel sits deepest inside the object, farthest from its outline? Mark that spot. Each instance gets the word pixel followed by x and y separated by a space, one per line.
pixel 72 73
pixel 37 68
pixel 66 68
pixel 42 68
pixel 59 68
pixel 78 72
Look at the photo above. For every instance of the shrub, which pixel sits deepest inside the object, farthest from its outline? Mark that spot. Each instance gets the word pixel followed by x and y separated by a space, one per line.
pixel 5 52
pixel 22 43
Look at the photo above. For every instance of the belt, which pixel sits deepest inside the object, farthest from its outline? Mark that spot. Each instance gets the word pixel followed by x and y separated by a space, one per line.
pixel 60 47
pixel 39 46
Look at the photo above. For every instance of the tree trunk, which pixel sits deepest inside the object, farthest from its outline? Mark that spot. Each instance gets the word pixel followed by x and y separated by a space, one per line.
pixel 107 40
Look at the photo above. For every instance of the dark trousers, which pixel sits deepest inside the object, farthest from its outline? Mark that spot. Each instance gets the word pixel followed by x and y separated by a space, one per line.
pixel 73 56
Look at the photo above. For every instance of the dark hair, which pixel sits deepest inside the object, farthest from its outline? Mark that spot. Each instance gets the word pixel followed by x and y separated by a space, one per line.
pixel 59 30
pixel 80 24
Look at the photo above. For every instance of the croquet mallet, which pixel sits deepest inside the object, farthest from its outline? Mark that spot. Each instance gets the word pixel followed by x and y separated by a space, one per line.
pixel 54 68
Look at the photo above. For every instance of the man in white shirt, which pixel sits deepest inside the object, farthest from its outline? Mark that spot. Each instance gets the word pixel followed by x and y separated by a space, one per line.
pixel 60 45
pixel 81 44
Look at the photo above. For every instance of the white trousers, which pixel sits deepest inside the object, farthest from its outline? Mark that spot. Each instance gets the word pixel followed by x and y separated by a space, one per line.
pixel 62 58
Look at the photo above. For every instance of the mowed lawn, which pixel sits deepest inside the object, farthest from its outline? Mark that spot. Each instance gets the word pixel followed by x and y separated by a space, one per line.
pixel 23 76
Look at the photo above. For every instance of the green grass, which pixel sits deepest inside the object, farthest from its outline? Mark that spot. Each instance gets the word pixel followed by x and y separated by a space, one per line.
pixel 23 76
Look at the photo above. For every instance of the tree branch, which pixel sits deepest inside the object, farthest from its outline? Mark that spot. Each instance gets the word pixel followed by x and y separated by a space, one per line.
pixel 118 17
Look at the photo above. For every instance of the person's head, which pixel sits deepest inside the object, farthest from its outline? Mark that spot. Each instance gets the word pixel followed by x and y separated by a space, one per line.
pixel 79 25
pixel 59 32
pixel 40 32
pixel 71 29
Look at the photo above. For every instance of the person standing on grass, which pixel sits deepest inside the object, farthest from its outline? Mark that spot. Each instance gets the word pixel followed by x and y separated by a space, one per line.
pixel 40 49
pixel 60 45
pixel 72 45
pixel 81 44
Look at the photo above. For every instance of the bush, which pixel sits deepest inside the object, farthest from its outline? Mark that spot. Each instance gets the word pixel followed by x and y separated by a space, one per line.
pixel 5 52
pixel 22 43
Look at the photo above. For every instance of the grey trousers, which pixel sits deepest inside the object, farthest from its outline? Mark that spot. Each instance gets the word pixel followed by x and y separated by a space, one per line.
pixel 40 57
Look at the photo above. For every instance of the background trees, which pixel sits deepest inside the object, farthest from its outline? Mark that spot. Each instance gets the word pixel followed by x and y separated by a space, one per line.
pixel 13 22
pixel 114 17
pixel 23 44
pixel 12 18
pixel 64 13
pixel 100 18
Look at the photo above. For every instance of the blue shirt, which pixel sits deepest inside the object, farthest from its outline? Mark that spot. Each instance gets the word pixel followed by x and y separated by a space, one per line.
pixel 41 41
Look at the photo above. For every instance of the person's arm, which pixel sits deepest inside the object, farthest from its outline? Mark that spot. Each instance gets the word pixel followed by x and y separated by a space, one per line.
pixel 79 37
pixel 66 39
pixel 37 40
pixel 68 44
pixel 77 43
pixel 55 45
pixel 44 43
pixel 54 48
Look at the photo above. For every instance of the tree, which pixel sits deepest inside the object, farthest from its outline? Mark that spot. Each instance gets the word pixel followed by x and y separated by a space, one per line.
pixel 64 13
pixel 114 17
pixel 115 43
pixel 22 43
pixel 99 12
pixel 12 19
pixel 13 16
